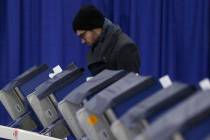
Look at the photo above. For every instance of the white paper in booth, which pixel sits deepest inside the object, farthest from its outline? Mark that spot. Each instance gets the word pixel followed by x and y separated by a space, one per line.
pixel 56 70
pixel 165 81
pixel 88 78
pixel 205 84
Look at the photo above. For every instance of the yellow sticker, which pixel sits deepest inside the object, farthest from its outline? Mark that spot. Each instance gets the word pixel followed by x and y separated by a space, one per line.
pixel 92 120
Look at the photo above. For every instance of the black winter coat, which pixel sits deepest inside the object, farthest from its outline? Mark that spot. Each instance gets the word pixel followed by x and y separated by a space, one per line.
pixel 114 51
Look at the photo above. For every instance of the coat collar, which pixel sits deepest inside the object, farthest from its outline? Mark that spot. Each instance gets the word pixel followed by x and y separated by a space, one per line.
pixel 108 28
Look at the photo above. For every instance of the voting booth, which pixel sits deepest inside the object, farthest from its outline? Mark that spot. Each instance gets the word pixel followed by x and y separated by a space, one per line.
pixel 12 96
pixel 44 103
pixel 109 104
pixel 112 105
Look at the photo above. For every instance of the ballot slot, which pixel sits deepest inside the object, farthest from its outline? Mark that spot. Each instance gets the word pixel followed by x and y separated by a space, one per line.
pixel 101 110
pixel 182 121
pixel 45 104
pixel 75 99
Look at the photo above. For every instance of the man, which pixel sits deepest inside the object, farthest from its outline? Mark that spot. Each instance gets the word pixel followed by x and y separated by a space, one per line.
pixel 110 47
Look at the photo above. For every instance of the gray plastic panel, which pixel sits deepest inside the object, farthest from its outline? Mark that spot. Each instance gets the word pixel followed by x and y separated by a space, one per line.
pixel 96 84
pixel 58 129
pixel 12 103
pixel 126 87
pixel 99 131
pixel 26 122
pixel 162 98
pixel 68 111
pixel 45 109
pixel 189 111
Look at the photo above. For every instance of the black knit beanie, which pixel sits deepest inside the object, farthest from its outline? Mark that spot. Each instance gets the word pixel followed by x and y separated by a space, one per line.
pixel 88 18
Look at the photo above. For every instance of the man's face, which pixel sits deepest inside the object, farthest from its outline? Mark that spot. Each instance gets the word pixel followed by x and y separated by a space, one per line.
pixel 88 37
